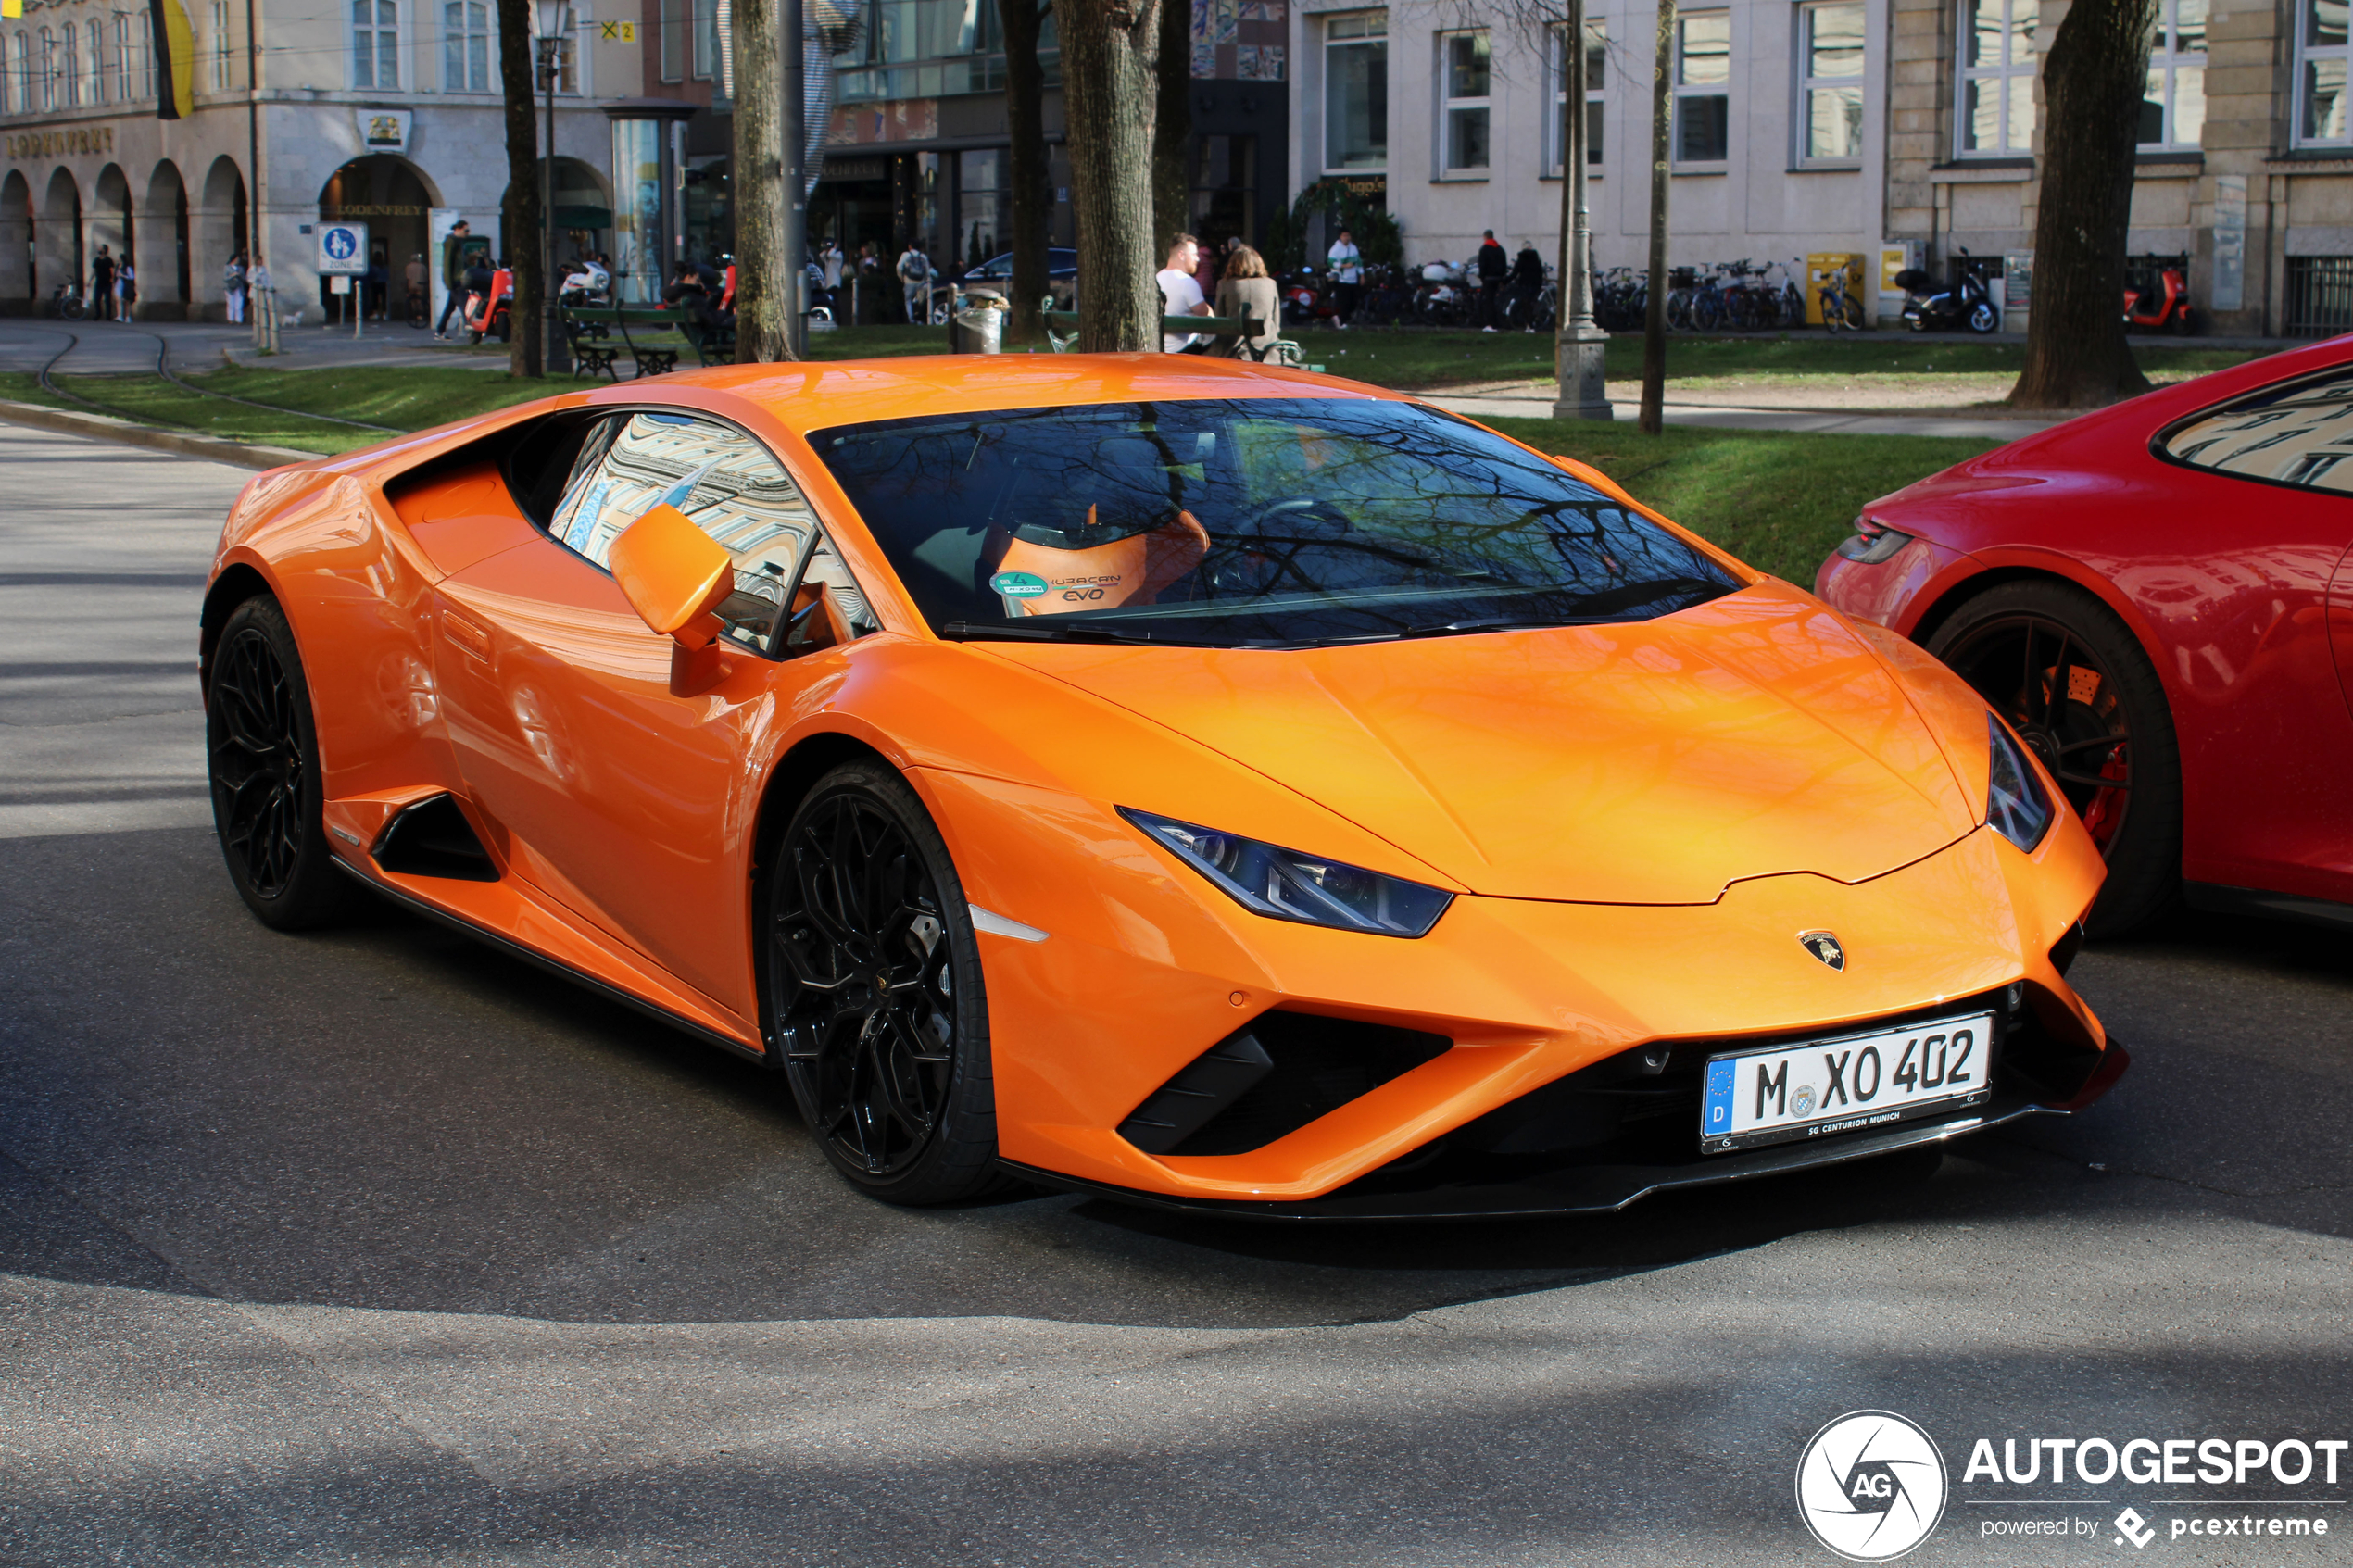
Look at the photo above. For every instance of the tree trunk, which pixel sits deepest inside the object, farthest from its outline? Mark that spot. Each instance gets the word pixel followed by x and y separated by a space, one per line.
pixel 520 224
pixel 2077 356
pixel 1108 88
pixel 1653 417
pixel 763 302
pixel 1173 125
pixel 1026 166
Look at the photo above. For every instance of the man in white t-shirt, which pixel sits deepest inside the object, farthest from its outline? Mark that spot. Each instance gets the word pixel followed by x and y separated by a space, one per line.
pixel 1181 296
pixel 1347 278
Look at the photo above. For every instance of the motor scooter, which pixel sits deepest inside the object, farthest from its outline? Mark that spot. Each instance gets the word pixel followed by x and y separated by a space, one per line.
pixel 1307 302
pixel 1964 304
pixel 2165 308
pixel 494 314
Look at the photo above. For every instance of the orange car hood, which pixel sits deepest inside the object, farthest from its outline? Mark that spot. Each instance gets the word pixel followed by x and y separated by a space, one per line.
pixel 1650 764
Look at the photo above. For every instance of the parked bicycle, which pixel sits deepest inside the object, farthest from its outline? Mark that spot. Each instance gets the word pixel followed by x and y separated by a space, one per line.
pixel 65 302
pixel 1841 309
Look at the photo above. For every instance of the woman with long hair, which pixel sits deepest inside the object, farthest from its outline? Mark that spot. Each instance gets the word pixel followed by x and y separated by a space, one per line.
pixel 1247 290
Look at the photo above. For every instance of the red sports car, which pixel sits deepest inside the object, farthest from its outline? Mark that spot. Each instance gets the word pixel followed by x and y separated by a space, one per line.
pixel 2159 596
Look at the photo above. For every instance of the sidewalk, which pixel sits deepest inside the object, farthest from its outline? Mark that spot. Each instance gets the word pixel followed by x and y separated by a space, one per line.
pixel 1625 398
pixel 117 348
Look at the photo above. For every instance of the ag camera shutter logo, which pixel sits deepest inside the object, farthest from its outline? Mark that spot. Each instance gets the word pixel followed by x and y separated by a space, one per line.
pixel 1871 1485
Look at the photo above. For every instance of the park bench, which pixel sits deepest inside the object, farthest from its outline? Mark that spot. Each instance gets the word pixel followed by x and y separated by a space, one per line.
pixel 1062 331
pixel 649 359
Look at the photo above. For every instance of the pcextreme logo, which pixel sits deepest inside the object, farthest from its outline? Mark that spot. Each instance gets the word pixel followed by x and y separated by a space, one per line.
pixel 1871 1485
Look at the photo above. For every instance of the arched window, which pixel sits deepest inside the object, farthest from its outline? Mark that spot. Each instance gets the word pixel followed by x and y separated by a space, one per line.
pixel 8 77
pixel 375 39
pixel 123 91
pixel 147 53
pixel 98 94
pixel 48 70
pixel 70 68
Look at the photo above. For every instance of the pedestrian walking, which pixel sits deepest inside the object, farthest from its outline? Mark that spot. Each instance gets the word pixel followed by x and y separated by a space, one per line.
pixel 829 264
pixel 1180 296
pixel 914 276
pixel 1347 275
pixel 126 290
pixel 1493 268
pixel 233 288
pixel 453 299
pixel 102 284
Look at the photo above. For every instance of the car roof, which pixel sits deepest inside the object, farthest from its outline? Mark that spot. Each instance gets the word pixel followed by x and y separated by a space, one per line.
pixel 822 396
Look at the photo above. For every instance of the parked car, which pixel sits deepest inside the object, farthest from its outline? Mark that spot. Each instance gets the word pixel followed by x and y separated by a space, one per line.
pixel 1062 267
pixel 2158 597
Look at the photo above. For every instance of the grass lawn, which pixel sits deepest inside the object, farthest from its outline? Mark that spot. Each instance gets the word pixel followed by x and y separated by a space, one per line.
pixel 402 397
pixel 1777 499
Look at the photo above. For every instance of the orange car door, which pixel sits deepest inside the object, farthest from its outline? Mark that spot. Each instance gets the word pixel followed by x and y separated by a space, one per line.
pixel 623 797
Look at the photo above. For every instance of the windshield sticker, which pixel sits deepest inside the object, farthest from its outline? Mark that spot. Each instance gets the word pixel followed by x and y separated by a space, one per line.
pixel 1018 585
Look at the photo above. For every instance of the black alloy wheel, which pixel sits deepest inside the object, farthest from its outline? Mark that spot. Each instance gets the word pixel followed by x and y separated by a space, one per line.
pixel 2074 684
pixel 874 993
pixel 262 753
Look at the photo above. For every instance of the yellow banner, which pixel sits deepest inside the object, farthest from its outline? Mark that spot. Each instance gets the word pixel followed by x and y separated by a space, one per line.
pixel 175 61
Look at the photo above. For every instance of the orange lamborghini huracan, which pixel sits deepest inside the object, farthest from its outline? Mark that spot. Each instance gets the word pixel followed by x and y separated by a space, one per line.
pixel 1209 785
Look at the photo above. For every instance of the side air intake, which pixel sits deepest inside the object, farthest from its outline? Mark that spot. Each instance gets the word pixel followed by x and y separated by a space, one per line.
pixel 432 838
pixel 1271 1079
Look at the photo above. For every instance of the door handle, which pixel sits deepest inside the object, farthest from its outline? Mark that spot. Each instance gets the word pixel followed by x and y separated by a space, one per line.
pixel 465 637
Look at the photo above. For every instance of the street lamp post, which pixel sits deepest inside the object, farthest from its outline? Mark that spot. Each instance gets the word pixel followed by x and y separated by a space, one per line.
pixel 1577 349
pixel 553 18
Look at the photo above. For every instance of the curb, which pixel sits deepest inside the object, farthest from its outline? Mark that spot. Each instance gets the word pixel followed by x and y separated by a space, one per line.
pixel 101 427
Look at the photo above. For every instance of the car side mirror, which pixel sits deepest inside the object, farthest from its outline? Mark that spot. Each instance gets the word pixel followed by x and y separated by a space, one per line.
pixel 673 575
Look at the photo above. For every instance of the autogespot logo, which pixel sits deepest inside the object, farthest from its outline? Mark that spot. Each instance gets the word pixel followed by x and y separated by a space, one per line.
pixel 1871 1485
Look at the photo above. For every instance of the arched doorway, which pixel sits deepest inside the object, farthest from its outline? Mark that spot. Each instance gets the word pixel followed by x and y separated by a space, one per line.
pixel 16 245
pixel 110 231
pixel 220 233
pixel 163 246
pixel 583 210
pixel 391 196
pixel 56 243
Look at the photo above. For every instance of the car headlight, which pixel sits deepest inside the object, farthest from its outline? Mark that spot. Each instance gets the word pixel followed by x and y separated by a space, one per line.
pixel 1871 543
pixel 1285 885
pixel 2016 806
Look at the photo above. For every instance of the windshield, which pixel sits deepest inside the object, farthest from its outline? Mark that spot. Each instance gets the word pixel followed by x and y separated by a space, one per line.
pixel 1264 522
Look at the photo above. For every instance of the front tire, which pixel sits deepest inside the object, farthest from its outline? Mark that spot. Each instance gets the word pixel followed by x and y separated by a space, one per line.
pixel 261 745
pixel 874 993
pixel 2073 681
pixel 1983 319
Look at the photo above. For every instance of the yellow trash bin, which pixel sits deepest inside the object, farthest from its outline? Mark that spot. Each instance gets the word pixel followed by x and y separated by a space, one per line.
pixel 1820 267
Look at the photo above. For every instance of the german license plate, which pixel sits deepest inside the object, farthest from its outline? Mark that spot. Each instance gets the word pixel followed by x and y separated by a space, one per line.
pixel 1846 1084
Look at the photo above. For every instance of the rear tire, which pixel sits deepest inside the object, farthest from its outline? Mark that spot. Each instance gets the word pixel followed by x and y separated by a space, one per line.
pixel 874 993
pixel 2109 741
pixel 261 745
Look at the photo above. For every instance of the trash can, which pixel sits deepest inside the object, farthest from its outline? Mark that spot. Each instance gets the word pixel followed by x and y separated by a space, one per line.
pixel 977 324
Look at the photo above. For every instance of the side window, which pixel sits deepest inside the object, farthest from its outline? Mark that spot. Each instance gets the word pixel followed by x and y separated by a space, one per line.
pixel 2300 434
pixel 730 486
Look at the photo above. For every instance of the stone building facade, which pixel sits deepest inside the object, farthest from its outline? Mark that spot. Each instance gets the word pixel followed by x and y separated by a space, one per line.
pixel 382 111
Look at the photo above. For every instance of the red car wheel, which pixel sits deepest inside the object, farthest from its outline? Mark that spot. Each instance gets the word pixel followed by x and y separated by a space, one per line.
pixel 2074 684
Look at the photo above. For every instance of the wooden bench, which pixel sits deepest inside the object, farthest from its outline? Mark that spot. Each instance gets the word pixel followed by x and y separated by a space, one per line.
pixel 649 361
pixel 1062 331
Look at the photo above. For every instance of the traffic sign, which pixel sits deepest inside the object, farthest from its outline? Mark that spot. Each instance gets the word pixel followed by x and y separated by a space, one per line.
pixel 343 248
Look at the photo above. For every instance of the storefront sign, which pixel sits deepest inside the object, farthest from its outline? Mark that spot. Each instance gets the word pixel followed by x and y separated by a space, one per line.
pixel 2017 282
pixel 61 143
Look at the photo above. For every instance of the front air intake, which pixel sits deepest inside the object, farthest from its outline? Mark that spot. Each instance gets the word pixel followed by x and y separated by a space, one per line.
pixel 1268 1081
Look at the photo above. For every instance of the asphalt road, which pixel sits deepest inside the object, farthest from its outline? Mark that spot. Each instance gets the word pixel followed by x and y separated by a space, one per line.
pixel 372 1246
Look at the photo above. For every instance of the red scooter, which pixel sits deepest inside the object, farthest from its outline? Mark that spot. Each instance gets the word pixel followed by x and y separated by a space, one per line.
pixel 2163 308
pixel 494 316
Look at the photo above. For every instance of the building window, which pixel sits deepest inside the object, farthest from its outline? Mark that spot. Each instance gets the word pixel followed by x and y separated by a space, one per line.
pixel 70 68
pixel 2173 107
pixel 706 38
pixel 1702 82
pixel 375 55
pixel 48 70
pixel 221 46
pixel 1596 65
pixel 2322 78
pixel 1463 79
pixel 122 88
pixel 146 24
pixel 95 88
pixel 1997 78
pixel 1830 93
pixel 1356 92
pixel 8 59
pixel 666 30
pixel 465 47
